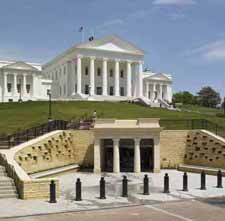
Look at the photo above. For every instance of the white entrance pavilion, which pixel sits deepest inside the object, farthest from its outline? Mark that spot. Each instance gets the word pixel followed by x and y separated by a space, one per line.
pixel 127 145
pixel 22 81
pixel 103 69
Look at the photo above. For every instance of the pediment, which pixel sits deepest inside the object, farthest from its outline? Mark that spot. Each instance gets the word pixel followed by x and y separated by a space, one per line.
pixel 113 44
pixel 20 65
pixel 159 77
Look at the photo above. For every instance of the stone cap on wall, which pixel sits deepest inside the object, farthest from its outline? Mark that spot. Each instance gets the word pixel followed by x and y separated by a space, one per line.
pixel 123 124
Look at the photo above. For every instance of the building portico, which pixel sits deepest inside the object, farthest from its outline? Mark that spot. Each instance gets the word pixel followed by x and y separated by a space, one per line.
pixel 105 77
pixel 108 69
pixel 22 81
pixel 126 145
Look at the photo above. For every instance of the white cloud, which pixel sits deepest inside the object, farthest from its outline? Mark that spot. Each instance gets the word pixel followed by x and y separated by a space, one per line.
pixel 174 2
pixel 212 51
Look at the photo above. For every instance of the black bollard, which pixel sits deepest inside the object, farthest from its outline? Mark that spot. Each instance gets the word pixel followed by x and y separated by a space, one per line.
pixel 185 182
pixel 52 192
pixel 78 190
pixel 125 187
pixel 102 188
pixel 219 179
pixel 166 183
pixel 146 185
pixel 203 181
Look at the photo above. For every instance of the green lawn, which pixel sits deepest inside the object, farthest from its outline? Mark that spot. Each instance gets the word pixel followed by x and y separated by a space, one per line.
pixel 14 116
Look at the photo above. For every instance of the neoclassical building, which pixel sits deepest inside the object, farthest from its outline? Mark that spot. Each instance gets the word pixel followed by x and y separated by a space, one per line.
pixel 106 69
pixel 22 81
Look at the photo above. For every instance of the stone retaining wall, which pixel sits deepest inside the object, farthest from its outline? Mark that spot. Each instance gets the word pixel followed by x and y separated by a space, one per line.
pixel 61 149
pixel 37 189
pixel 205 149
pixel 172 147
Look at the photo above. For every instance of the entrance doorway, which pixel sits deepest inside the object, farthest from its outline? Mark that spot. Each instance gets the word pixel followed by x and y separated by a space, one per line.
pixel 126 155
pixel 147 155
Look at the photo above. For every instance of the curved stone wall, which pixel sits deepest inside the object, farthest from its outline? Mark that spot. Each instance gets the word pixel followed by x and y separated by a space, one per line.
pixel 205 149
pixel 52 152
pixel 61 149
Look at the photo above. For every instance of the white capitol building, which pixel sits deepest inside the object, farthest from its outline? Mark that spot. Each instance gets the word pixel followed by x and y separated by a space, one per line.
pixel 103 69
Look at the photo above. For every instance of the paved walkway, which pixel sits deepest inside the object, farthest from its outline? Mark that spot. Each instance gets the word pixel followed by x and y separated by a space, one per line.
pixel 90 196
pixel 176 211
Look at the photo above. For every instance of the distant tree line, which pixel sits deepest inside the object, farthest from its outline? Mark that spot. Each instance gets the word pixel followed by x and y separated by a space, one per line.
pixel 206 97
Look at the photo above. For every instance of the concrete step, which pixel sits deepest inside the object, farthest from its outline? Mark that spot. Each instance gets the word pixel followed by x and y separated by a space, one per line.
pixel 55 171
pixel 6 182
pixel 8 195
pixel 7 187
pixel 7 192
pixel 199 169
pixel 3 172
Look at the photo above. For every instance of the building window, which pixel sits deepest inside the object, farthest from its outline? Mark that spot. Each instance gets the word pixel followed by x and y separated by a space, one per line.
pixel 28 88
pixel 18 88
pixel 99 71
pixel 111 91
pixel 121 74
pixel 121 91
pixel 99 90
pixel 9 87
pixel 86 89
pixel 60 91
pixel 56 75
pixel 111 72
pixel 86 70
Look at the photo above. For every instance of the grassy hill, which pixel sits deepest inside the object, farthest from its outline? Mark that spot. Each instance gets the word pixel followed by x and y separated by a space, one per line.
pixel 14 116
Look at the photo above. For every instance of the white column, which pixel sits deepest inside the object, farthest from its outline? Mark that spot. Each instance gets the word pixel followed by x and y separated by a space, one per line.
pixel 169 93
pixel 156 152
pixel 79 87
pixel 153 90
pixel 104 77
pixel 116 156
pixel 140 79
pixel 117 83
pixel 146 89
pixel 24 85
pixel 92 76
pixel 15 84
pixel 166 92
pixel 73 70
pixel 129 79
pixel 5 84
pixel 97 156
pixel 160 91
pixel 33 85
pixel 137 156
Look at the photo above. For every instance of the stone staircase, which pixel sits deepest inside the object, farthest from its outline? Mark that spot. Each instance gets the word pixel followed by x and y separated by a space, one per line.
pixel 7 185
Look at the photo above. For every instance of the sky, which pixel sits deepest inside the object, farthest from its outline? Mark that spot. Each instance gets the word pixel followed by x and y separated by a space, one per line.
pixel 184 38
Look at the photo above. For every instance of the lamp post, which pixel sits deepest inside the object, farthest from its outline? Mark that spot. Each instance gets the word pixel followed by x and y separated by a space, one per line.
pixel 49 105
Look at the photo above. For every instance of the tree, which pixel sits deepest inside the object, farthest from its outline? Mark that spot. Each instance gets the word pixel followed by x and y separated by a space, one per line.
pixel 184 97
pixel 208 97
